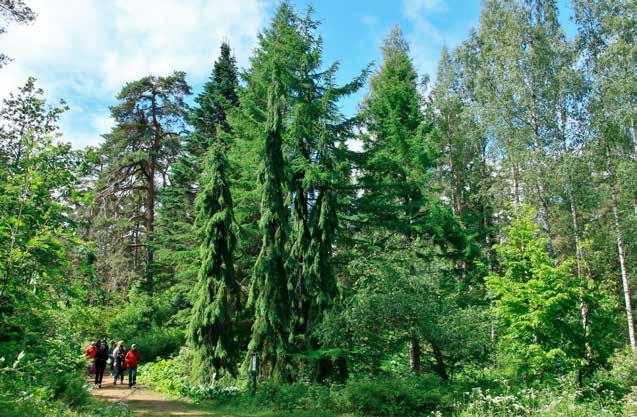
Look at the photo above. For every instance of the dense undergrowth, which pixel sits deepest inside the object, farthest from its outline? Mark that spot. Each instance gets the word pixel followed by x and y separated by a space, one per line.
pixel 609 393
pixel 46 381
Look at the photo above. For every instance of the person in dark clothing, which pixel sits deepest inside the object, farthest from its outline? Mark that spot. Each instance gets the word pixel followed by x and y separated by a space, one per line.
pixel 101 357
pixel 119 355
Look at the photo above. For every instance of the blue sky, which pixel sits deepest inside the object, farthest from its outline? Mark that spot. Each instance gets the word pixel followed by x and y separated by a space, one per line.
pixel 84 50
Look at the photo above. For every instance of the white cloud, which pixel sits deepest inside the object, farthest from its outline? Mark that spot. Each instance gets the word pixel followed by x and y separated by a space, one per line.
pixel 414 7
pixel 85 50
pixel 425 38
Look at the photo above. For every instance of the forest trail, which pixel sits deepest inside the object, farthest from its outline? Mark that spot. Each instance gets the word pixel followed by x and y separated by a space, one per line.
pixel 144 402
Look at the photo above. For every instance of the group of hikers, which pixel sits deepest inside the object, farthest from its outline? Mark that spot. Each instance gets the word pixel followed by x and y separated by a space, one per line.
pixel 99 356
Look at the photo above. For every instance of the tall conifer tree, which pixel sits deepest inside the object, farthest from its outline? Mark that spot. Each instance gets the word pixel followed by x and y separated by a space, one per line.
pixel 212 331
pixel 396 200
pixel 177 252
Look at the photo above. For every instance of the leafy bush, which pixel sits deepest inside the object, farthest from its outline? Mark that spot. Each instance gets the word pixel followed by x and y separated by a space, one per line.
pixel 298 396
pixel 395 396
pixel 36 385
pixel 146 321
pixel 389 396
pixel 630 403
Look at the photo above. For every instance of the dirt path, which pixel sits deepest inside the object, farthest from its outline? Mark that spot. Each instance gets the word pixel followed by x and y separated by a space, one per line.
pixel 147 403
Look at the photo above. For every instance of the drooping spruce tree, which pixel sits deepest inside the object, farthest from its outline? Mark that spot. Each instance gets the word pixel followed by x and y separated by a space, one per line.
pixel 212 331
pixel 312 133
pixel 314 146
pixel 177 245
pixel 260 125
pixel 269 292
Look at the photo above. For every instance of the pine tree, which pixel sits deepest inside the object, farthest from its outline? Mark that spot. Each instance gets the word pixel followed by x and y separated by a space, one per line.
pixel 150 118
pixel 212 330
pixel 314 141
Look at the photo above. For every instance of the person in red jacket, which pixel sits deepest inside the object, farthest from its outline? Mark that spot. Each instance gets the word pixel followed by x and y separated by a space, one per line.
pixel 90 353
pixel 132 360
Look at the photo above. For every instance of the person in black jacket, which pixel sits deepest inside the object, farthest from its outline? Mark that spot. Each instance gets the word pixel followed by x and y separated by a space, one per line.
pixel 101 357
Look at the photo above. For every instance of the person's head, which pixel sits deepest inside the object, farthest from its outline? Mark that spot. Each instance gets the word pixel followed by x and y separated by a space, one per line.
pixel 92 343
pixel 120 343
pixel 103 344
pixel 113 344
pixel 133 346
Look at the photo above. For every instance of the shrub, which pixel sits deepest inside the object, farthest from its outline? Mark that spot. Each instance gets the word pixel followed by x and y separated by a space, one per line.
pixel 395 396
pixel 621 376
pixel 146 321
pixel 40 385
pixel 298 396
pixel 630 403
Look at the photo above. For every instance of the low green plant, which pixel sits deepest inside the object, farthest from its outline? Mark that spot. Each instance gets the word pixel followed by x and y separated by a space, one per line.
pixel 564 402
pixel 395 396
pixel 37 385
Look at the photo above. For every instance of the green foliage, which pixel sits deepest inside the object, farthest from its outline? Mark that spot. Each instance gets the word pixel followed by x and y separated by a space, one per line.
pixel 389 396
pixel 535 403
pixel 148 322
pixel 535 301
pixel 395 397
pixel 620 376
pixel 38 383
pixel 212 329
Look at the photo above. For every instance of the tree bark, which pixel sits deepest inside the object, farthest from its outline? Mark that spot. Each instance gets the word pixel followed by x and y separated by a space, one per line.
pixel 414 354
pixel 150 227
pixel 583 306
pixel 622 262
pixel 439 367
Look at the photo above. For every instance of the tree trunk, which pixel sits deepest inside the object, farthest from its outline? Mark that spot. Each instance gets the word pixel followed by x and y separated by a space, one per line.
pixel 150 226
pixel 583 306
pixel 633 133
pixel 634 136
pixel 414 354
pixel 622 263
pixel 439 367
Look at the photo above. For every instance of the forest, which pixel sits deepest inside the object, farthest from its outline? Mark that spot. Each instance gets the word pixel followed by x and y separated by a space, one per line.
pixel 464 245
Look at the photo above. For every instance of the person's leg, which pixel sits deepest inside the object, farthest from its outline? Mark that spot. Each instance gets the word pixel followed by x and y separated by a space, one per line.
pixel 130 377
pixel 99 374
pixel 134 376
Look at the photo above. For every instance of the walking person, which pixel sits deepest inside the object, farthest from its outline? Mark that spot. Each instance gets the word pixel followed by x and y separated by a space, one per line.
pixel 111 358
pixel 119 362
pixel 132 360
pixel 101 357
pixel 90 353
